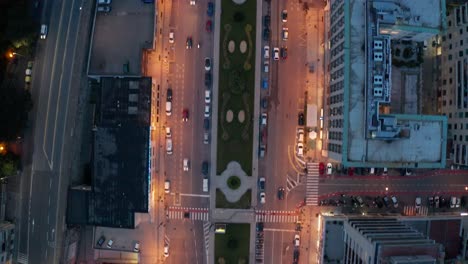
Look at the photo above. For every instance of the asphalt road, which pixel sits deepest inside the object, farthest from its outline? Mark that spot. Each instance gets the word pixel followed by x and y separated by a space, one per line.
pixel 184 71
pixel 42 186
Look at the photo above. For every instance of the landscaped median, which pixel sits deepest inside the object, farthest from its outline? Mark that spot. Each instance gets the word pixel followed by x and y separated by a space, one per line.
pixel 236 85
pixel 233 246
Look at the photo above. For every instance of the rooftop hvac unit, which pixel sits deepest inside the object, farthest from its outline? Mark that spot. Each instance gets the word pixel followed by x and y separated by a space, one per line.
pixel 378 44
pixel 378 79
pixel 378 56
pixel 378 91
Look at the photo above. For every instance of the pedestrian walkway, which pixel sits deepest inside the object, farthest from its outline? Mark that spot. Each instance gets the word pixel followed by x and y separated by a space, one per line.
pixel 290 183
pixel 174 212
pixel 312 183
pixel 206 235
pixel 276 216
pixel 411 210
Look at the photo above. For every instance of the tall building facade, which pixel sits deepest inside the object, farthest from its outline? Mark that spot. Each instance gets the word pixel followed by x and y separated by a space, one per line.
pixel 453 97
pixel 359 129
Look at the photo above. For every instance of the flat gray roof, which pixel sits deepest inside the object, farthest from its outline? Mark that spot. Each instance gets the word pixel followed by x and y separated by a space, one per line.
pixel 119 37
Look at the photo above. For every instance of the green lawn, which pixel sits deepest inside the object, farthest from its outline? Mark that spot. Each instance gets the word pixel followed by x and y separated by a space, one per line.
pixel 236 85
pixel 243 203
pixel 238 248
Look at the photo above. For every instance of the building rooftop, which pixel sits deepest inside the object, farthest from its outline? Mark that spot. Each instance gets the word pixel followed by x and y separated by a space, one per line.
pixel 121 152
pixel 373 137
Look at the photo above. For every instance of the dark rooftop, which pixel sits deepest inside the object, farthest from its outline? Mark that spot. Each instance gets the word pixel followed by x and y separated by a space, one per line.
pixel 121 152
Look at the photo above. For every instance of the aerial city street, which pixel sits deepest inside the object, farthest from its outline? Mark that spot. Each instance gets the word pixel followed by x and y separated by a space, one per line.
pixel 234 131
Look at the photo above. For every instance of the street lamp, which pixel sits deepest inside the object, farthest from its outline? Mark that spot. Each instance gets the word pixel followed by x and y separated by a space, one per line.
pixel 386 189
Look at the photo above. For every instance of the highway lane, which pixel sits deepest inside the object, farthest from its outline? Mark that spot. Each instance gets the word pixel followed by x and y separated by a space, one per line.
pixel 51 93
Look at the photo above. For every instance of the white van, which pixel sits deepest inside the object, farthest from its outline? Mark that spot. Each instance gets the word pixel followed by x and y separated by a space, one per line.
pixel 205 184
pixel 167 186
pixel 168 108
pixel 169 146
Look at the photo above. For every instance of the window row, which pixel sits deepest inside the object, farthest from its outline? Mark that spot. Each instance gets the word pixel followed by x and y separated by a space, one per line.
pixel 334 148
pixel 335 135
pixel 336 86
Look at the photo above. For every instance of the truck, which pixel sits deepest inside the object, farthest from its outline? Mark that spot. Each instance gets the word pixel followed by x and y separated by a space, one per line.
pixel 311 120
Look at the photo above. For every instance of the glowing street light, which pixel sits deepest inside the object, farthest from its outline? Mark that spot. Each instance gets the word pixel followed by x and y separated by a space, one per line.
pixel 386 189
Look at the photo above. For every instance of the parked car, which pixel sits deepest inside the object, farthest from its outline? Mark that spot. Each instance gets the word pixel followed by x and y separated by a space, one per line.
pixel 300 119
pixel 265 83
pixel 166 250
pixel 206 138
pixel 321 168
pixel 207 64
pixel 262 197
pixel 259 227
pixel 207 96
pixel 284 53
pixel 186 164
pixel 207 110
pixel 360 201
pixel 168 108
pixel 284 16
pixel 169 146
pixel 136 248
pixel 266 66
pixel 394 201
pixel 101 241
pixel 300 149
pixel 110 243
pixel 168 132
pixel 206 124
pixel 285 33
pixel 261 183
pixel 266 52
pixel 266 34
pixel 431 201
pixel 209 26
pixel 266 21
pixel 300 135
pixel 104 8
pixel 264 119
pixel 436 201
pixel 386 201
pixel 167 186
pixel 169 95
pixel 104 2
pixel 453 202
pixel 207 79
pixel 205 168
pixel 417 203
pixel 276 54
pixel 329 168
pixel 210 9
pixel 264 103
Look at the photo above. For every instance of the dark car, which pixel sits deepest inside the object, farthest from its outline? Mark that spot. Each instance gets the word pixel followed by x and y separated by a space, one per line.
pixel 210 10
pixel 259 227
pixel 206 124
pixel 208 79
pixel 209 26
pixel 378 202
pixel 296 256
pixel 321 168
pixel 266 34
pixel 300 119
pixel 189 42
pixel 264 103
pixel 185 115
pixel 431 201
pixel 284 53
pixel 386 201
pixel 169 94
pixel 280 193
pixel 266 21
pixel 101 241
pixel 205 168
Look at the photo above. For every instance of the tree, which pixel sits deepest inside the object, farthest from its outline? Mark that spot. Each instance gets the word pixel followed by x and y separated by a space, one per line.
pixel 15 105
pixel 8 165
pixel 239 17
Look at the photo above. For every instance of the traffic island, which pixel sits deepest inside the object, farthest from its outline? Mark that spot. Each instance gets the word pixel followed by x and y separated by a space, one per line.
pixel 233 246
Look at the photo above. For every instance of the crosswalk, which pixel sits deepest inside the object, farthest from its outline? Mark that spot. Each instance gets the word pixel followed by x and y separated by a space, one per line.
pixel 273 216
pixel 175 212
pixel 312 183
pixel 206 235
pixel 22 258
pixel 290 183
pixel 411 210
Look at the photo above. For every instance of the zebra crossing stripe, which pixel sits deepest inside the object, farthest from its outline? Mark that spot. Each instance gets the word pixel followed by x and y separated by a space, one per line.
pixel 22 258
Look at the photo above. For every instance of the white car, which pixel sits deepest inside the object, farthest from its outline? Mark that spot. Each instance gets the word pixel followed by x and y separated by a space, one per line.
pixel 207 96
pixel 207 110
pixel 166 250
pixel 418 203
pixel 168 108
pixel 192 2
pixel 169 146
pixel 285 33
pixel 297 240
pixel 262 197
pixel 395 202
pixel 207 64
pixel 186 164
pixel 110 243
pixel 171 37
pixel 300 149
pixel 300 135
pixel 206 138
pixel 168 132
pixel 264 119
pixel 43 31
pixel 167 186
pixel 453 202
pixel 136 248
pixel 276 55
pixel 266 66
pixel 329 168
pixel 266 50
